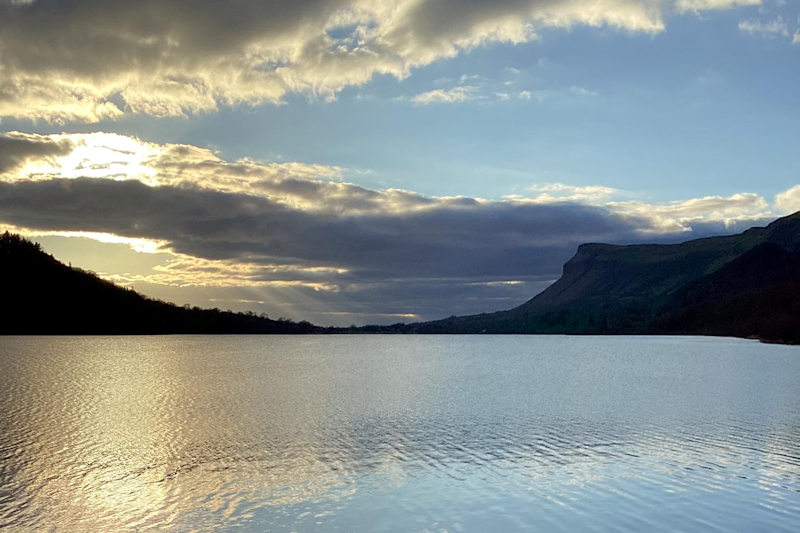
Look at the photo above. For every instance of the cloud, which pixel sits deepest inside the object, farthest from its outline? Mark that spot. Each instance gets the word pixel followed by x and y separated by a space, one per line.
pixel 456 95
pixel 540 95
pixel 796 37
pixel 300 237
pixel 788 201
pixel 560 192
pixel 365 303
pixel 695 6
pixel 457 238
pixel 308 189
pixel 768 30
pixel 415 261
pixel 473 78
pixel 699 212
pixel 492 92
pixel 90 61
pixel 582 91
pixel 114 156
pixel 17 149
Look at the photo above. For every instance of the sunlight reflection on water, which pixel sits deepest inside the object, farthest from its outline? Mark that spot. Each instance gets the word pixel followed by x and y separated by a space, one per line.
pixel 399 433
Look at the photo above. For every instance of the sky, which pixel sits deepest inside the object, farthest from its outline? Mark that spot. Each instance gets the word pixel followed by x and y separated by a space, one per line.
pixel 359 161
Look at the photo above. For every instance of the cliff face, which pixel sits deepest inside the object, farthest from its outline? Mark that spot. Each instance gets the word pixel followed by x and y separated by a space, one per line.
pixel 590 264
pixel 745 285
pixel 651 288
pixel 605 276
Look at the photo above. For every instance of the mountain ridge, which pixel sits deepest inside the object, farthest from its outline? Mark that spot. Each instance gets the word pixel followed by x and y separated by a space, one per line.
pixel 628 289
pixel 43 296
pixel 743 285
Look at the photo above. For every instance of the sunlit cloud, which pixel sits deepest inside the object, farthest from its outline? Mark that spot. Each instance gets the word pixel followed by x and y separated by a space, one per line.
pixel 695 6
pixel 302 230
pixel 24 150
pixel 141 245
pixel 680 216
pixel 489 92
pixel 560 192
pixel 456 95
pixel 100 61
pixel 788 201
pixel 498 283
pixel 768 29
pixel 308 188
pixel 412 316
pixel 147 246
pixel 188 271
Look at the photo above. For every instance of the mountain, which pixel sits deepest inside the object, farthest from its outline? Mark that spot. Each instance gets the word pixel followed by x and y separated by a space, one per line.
pixel 755 295
pixel 739 285
pixel 745 285
pixel 43 296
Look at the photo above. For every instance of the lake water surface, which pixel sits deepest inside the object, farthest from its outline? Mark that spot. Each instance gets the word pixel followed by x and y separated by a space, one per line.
pixel 398 434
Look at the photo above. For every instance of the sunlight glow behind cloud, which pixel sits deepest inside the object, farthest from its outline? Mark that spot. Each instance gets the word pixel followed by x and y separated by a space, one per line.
pixel 296 234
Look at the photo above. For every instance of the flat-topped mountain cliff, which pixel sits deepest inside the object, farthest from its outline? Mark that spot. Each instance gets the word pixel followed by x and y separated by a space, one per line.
pixel 659 288
pixel 745 285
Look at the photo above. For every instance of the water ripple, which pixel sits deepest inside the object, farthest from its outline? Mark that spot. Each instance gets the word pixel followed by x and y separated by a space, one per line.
pixel 398 434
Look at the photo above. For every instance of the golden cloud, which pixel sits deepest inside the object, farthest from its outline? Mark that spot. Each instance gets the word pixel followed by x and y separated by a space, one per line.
pixel 97 61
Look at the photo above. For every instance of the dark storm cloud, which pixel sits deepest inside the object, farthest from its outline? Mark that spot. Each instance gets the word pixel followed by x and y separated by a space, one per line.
pixel 90 37
pixel 317 248
pixel 475 240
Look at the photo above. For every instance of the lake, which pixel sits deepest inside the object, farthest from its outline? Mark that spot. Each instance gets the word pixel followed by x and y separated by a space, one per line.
pixel 398 434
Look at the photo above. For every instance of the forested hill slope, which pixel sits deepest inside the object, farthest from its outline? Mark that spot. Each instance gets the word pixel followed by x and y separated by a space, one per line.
pixel 43 296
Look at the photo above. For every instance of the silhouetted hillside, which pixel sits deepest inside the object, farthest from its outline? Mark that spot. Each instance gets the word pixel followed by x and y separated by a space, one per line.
pixel 43 296
pixel 740 285
pixel 745 285
pixel 755 295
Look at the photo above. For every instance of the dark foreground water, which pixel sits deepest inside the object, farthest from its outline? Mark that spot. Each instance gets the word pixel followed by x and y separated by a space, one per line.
pixel 405 434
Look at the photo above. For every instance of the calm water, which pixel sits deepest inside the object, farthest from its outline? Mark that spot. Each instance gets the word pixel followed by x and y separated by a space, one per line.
pixel 391 433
